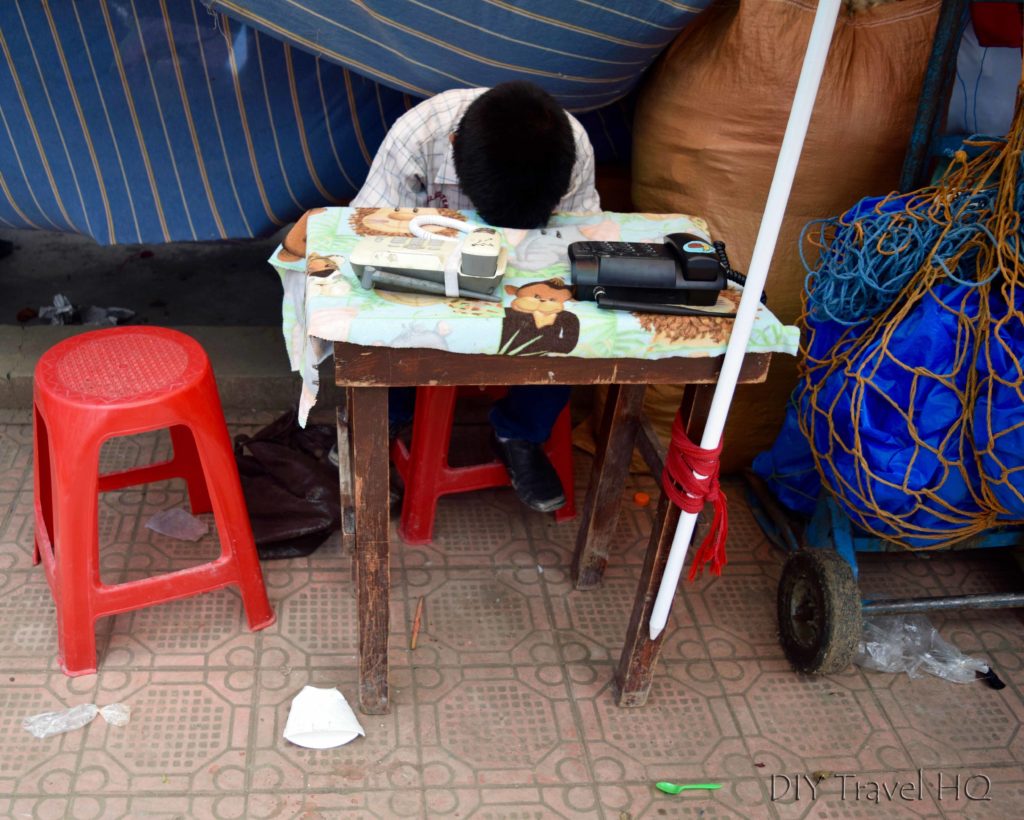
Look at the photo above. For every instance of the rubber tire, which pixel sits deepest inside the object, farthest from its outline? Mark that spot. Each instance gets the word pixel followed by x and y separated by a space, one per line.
pixel 825 640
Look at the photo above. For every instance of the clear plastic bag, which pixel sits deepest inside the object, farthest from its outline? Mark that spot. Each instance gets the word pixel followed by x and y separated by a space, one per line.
pixel 909 643
pixel 48 724
pixel 116 714
pixel 178 523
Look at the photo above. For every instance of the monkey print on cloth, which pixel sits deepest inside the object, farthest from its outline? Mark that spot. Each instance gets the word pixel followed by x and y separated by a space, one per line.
pixel 536 322
pixel 537 315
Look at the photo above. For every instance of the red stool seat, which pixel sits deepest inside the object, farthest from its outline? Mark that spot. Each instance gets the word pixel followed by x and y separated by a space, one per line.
pixel 424 466
pixel 120 382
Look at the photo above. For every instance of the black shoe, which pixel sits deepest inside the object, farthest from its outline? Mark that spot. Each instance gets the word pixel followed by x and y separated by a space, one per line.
pixel 533 478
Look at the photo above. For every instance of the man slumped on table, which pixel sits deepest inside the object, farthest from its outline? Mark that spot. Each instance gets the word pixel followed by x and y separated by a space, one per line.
pixel 515 156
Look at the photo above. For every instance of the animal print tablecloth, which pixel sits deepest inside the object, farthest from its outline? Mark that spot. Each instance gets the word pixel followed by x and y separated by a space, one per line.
pixel 324 303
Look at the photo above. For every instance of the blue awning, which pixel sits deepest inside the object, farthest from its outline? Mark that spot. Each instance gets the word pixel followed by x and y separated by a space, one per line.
pixel 139 121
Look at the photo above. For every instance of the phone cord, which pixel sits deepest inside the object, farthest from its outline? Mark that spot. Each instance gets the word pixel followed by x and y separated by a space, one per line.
pixel 730 274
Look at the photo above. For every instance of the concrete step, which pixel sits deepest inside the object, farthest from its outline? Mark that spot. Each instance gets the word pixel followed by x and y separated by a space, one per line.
pixel 250 363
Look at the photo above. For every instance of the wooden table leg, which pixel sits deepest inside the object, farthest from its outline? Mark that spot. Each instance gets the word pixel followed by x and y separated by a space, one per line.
pixel 636 664
pixel 368 429
pixel 348 521
pixel 607 478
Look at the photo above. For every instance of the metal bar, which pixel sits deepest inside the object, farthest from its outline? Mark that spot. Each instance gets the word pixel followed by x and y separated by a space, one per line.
pixel 999 600
pixel 935 91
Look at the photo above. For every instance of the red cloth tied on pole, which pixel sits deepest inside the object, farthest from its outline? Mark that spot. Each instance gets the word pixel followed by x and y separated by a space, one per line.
pixel 689 493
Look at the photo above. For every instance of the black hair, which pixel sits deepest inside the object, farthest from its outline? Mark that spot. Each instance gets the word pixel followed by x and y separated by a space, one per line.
pixel 514 152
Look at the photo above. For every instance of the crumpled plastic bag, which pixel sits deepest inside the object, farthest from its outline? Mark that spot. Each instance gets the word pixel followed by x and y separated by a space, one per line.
pixel 116 714
pixel 909 643
pixel 63 312
pixel 48 724
pixel 178 523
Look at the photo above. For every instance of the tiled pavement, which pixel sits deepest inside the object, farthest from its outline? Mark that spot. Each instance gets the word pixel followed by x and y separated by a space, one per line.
pixel 505 708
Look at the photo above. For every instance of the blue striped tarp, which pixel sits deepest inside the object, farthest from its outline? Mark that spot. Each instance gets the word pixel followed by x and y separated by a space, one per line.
pixel 141 121
pixel 587 53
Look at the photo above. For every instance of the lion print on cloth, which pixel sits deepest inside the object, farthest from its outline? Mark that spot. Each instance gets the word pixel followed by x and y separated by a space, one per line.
pixel 395 221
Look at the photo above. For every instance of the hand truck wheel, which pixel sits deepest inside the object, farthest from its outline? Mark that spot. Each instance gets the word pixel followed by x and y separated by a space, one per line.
pixel 819 611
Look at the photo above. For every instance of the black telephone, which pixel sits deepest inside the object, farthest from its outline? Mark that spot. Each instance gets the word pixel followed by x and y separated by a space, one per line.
pixel 651 277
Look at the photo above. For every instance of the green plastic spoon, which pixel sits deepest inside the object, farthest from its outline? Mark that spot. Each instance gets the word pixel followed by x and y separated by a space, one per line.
pixel 675 788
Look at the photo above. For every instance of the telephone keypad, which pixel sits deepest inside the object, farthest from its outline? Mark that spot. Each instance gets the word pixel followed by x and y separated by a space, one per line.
pixel 638 250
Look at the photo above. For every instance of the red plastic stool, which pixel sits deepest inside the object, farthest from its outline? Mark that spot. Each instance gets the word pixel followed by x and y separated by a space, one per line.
pixel 427 475
pixel 120 382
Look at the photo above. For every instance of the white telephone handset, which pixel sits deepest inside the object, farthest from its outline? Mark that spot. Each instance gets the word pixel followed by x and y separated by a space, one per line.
pixel 469 266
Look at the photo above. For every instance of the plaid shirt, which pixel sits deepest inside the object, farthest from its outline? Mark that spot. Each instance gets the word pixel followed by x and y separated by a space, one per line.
pixel 415 167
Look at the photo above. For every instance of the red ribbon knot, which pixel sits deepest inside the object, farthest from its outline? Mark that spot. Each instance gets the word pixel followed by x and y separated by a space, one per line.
pixel 680 482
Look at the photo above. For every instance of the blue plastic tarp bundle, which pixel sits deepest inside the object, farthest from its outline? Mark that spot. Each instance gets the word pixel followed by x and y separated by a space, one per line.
pixel 911 407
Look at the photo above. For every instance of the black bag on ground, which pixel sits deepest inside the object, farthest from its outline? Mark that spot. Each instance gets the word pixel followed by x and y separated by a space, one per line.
pixel 290 486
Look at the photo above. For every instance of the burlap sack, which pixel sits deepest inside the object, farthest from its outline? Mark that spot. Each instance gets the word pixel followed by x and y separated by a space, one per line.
pixel 708 127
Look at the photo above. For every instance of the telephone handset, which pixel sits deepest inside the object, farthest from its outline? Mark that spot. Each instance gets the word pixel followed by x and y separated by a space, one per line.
pixel 471 266
pixel 653 277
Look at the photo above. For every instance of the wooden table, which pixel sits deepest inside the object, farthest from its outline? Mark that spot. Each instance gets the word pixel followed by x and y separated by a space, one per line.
pixel 366 373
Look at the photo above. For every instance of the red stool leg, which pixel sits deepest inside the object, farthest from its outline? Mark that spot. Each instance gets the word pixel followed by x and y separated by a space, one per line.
pixel 75 471
pixel 431 437
pixel 186 459
pixel 43 485
pixel 559 450
pixel 230 513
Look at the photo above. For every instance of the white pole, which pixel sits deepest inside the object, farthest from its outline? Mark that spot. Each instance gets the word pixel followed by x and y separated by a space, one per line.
pixel 767 236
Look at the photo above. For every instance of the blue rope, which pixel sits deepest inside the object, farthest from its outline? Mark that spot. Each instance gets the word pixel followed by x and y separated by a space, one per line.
pixel 869 254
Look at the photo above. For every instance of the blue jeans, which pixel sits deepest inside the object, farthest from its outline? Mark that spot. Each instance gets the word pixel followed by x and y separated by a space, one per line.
pixel 527 412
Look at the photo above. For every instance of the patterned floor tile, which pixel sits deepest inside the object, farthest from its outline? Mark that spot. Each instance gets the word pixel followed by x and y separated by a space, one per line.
pixel 747 542
pixel 737 799
pixel 219 807
pixel 685 733
pixel 350 803
pixel 480 529
pixel 28 622
pixel 516 552
pixel 497 725
pixel 15 456
pixel 188 733
pixel 513 803
pixel 21 416
pixel 947 724
pixel 17 530
pixel 556 541
pixel 317 624
pixel 591 623
pixel 126 452
pixel 735 612
pixel 33 766
pixel 481 616
pixel 792 722
pixel 205 630
pixel 506 707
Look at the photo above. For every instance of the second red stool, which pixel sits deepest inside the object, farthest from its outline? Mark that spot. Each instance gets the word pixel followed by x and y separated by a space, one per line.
pixel 424 466
pixel 121 382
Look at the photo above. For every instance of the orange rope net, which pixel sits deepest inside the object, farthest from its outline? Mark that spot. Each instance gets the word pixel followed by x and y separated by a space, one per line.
pixel 916 418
